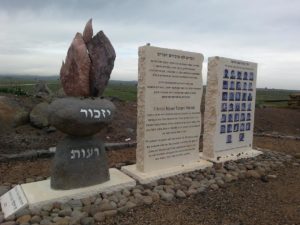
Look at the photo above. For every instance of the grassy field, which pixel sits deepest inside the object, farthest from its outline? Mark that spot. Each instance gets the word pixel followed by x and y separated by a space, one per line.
pixel 127 90
pixel 124 90
pixel 268 97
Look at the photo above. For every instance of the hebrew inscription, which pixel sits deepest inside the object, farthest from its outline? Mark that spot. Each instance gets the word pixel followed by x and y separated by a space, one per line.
pixel 96 113
pixel 84 153
pixel 169 98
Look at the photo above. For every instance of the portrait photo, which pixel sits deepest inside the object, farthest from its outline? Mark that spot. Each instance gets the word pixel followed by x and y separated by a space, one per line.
pixel 230 107
pixel 238 85
pixel 229 128
pixel 239 75
pixel 245 86
pixel 242 116
pixel 236 127
pixel 225 84
pixel 249 106
pixel 242 137
pixel 231 85
pixel 243 106
pixel 244 97
pixel 223 129
pixel 236 117
pixel 223 118
pixel 248 116
pixel 238 96
pixel 251 76
pixel 224 107
pixel 242 127
pixel 230 119
pixel 229 138
pixel 250 87
pixel 237 106
pixel 231 96
pixel 232 74
pixel 226 73
pixel 250 97
pixel 245 77
pixel 248 126
pixel 224 96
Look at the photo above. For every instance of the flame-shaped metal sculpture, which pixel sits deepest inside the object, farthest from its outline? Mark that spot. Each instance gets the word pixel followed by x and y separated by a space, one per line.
pixel 88 65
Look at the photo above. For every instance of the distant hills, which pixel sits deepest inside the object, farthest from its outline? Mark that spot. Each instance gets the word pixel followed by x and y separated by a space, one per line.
pixel 34 78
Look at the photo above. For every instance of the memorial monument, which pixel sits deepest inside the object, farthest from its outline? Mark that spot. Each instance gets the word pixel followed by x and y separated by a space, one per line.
pixel 229 109
pixel 80 167
pixel 169 119
pixel 85 73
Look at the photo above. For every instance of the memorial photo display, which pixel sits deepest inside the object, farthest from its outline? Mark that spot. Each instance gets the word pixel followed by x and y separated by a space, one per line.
pixel 237 104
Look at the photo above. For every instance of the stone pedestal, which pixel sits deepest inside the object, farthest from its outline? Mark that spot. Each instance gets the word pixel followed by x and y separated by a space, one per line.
pixel 35 195
pixel 80 158
pixel 79 162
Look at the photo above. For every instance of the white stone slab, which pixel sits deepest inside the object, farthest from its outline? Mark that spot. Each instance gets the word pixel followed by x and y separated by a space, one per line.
pixel 169 98
pixel 13 201
pixel 148 177
pixel 40 193
pixel 229 106
pixel 232 155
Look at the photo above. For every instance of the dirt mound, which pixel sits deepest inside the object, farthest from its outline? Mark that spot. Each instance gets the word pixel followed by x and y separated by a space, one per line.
pixel 277 120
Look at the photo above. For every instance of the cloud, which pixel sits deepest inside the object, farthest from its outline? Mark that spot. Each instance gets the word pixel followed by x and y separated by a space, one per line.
pixel 35 35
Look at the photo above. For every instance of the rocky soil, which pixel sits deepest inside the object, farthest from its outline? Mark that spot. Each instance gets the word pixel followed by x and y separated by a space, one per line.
pixel 261 190
pixel 264 190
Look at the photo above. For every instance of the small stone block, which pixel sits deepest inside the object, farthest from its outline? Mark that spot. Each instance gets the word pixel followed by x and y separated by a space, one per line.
pixel 13 201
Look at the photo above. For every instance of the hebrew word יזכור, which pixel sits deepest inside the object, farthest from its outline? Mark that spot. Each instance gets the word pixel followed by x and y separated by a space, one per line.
pixel 96 113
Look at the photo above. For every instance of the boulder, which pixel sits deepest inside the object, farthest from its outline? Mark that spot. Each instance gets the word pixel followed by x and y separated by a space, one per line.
pixel 80 117
pixel 43 91
pixel 12 114
pixel 74 72
pixel 39 115
pixel 88 65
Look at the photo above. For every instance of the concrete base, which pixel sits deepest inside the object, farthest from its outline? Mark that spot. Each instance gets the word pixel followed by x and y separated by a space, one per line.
pixel 232 155
pixel 148 177
pixel 40 193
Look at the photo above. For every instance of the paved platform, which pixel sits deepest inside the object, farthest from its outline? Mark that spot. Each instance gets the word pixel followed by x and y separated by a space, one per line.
pixel 149 177
pixel 232 155
pixel 40 193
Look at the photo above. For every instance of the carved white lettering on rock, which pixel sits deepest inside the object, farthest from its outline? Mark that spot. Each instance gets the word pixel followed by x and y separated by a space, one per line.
pixel 84 153
pixel 169 99
pixel 96 113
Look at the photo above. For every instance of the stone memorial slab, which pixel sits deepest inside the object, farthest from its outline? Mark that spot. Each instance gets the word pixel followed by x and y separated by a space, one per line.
pixel 229 109
pixel 169 119
pixel 13 201
pixel 40 193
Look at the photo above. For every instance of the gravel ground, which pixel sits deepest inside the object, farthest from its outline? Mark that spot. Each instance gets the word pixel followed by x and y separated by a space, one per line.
pixel 246 202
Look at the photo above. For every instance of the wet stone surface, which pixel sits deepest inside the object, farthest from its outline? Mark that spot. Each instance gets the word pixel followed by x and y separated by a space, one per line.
pixel 79 162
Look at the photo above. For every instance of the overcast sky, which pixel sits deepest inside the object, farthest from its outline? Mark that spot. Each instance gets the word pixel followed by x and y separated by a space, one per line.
pixel 35 34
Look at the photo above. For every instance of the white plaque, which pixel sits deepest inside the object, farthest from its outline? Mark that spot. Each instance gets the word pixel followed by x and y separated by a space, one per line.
pixel 13 201
pixel 230 105
pixel 169 99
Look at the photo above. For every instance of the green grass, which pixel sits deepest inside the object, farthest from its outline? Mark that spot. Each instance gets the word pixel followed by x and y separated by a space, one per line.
pixel 265 95
pixel 123 91
pixel 126 90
